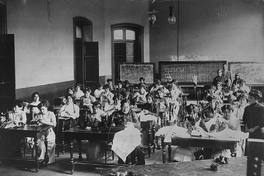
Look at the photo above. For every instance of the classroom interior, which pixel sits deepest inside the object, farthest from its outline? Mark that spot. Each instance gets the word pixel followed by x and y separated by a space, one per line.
pixel 48 46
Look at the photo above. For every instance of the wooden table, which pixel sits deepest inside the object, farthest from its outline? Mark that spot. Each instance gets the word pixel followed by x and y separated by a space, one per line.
pixel 235 167
pixel 205 142
pixel 22 132
pixel 76 133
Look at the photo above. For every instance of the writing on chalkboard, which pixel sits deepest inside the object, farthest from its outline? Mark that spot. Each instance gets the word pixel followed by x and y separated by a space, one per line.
pixel 184 71
pixel 133 71
pixel 251 72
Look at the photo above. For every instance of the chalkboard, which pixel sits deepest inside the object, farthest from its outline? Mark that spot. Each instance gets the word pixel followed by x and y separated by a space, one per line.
pixel 251 72
pixel 133 71
pixel 183 71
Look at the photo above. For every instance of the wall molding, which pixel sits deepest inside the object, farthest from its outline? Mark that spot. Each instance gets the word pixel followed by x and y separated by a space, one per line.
pixel 47 91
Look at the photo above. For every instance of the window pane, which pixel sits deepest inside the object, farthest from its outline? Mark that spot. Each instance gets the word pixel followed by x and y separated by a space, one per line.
pixel 130 35
pixel 118 34
pixel 130 52
pixel 87 33
pixel 78 33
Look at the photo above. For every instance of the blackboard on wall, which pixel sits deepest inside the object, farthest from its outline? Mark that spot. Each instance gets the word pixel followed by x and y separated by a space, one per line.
pixel 251 72
pixel 183 71
pixel 133 71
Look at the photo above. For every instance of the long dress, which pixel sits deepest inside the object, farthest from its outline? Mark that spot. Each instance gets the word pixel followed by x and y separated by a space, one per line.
pixel 49 117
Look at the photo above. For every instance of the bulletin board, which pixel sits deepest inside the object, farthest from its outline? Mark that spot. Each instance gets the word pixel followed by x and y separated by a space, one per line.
pixel 133 71
pixel 251 72
pixel 183 71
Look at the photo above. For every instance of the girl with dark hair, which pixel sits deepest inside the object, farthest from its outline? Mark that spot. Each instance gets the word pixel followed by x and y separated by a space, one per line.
pixel 46 117
pixel 17 116
pixel 33 106
pixel 69 110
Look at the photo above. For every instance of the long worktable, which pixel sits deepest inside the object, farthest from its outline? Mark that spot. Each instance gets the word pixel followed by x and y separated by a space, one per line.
pixel 205 142
pixel 18 133
pixel 78 134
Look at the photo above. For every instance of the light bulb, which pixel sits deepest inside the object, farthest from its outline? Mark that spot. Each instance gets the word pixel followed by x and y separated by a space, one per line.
pixel 171 18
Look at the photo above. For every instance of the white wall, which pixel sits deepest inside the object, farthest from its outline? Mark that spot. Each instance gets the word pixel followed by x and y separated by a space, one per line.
pixel 44 46
pixel 210 29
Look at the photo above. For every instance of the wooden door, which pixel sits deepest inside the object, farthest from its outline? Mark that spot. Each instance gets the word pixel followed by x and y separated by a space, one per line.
pixel 86 63
pixel 78 53
pixel 7 71
pixel 119 57
pixel 90 64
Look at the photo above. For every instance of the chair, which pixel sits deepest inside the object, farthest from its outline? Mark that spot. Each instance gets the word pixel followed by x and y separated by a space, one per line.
pixel 62 125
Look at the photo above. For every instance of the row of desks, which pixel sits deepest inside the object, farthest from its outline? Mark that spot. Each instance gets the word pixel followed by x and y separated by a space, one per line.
pixel 20 133
pixel 77 134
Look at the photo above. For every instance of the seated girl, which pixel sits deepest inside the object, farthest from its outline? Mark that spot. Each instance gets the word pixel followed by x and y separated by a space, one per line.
pixel 33 106
pixel 126 143
pixel 107 96
pixel 98 92
pixel 157 85
pixel 125 115
pixel 11 144
pixel 97 115
pixel 140 96
pixel 69 110
pixel 149 105
pixel 239 107
pixel 70 91
pixel 208 122
pixel 87 100
pixel 192 117
pixel 46 117
pixel 162 107
pixel 78 93
pixel 17 116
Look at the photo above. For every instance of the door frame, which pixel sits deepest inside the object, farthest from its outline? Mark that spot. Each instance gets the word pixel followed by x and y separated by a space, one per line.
pixel 135 27
pixel 4 4
pixel 76 20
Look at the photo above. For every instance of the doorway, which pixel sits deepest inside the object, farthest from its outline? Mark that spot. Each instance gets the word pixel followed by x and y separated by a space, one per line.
pixel 86 58
pixel 7 71
pixel 127 46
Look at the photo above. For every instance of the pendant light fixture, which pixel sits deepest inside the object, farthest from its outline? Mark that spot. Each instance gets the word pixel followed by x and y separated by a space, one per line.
pixel 171 18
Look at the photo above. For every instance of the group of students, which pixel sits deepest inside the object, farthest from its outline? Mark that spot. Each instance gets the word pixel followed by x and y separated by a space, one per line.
pixel 35 113
pixel 226 105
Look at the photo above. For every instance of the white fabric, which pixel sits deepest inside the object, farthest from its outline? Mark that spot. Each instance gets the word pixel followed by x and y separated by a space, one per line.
pixel 172 131
pixel 230 134
pixel 70 111
pixel 184 154
pixel 126 141
pixel 144 117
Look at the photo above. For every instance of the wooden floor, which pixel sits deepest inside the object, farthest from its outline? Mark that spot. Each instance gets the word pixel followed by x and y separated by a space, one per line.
pixel 62 167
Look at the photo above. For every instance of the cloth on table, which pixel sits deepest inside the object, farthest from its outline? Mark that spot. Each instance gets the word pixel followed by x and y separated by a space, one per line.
pixel 183 154
pixel 172 131
pixel 126 141
pixel 230 134
pixel 144 117
pixel 241 137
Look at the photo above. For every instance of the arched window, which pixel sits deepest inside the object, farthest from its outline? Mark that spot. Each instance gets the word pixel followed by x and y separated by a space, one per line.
pixel 127 45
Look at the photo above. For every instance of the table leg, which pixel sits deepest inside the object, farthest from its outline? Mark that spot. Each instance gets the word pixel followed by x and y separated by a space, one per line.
pixel 62 136
pixel 36 153
pixel 80 149
pixel 163 150
pixel 149 139
pixel 46 152
pixel 71 157
pixel 169 152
